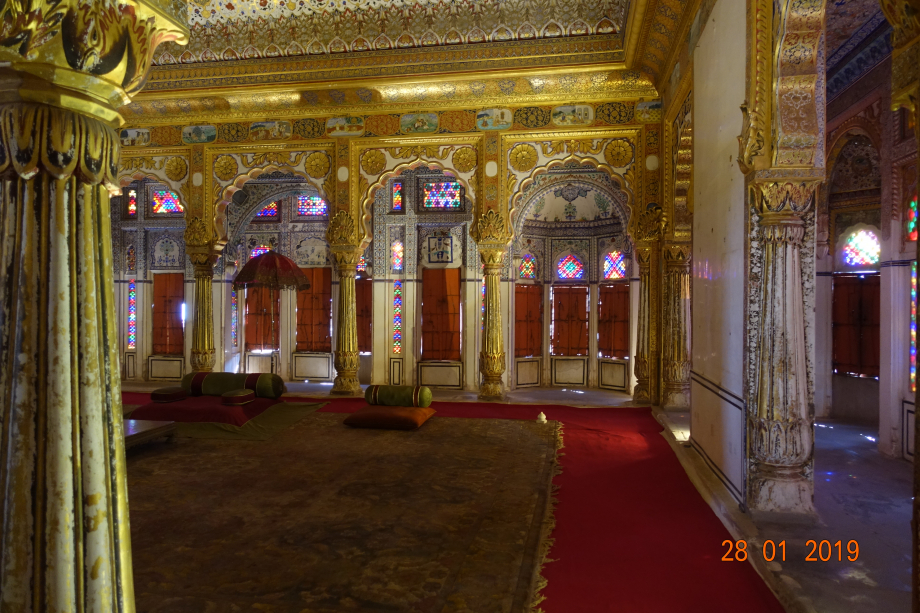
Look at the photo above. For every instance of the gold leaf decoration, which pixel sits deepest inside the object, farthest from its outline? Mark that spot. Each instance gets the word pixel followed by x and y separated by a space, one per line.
pixel 176 168
pixel 373 161
pixel 619 153
pixel 196 233
pixel 523 157
pixel 491 228
pixel 341 230
pixel 465 159
pixel 317 164
pixel 225 167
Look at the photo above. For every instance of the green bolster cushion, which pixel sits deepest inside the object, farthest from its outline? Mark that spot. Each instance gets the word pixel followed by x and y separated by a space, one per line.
pixel 265 385
pixel 235 397
pixel 168 394
pixel 398 395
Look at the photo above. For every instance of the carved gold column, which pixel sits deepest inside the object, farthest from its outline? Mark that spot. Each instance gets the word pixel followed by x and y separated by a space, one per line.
pixel 491 234
pixel 198 247
pixel 342 236
pixel 65 68
pixel 781 423
pixel 647 229
pixel 676 328
pixel 904 16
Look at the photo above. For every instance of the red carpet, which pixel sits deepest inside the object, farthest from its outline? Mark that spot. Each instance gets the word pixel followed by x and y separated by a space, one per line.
pixel 134 398
pixel 632 533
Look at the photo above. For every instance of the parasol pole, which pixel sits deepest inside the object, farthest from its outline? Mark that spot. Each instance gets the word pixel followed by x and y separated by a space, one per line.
pixel 272 338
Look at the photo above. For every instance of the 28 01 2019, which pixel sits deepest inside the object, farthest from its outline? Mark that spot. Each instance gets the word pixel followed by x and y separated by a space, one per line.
pixel 818 551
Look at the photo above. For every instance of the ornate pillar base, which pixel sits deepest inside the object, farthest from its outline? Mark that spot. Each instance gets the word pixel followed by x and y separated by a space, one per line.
pixel 676 397
pixel 781 489
pixel 492 368
pixel 346 378
pixel 203 360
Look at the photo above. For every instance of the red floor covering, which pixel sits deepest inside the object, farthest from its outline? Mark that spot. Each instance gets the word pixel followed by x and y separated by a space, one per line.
pixel 632 533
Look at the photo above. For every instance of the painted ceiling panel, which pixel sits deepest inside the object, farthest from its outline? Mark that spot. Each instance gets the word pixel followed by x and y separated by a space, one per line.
pixel 845 18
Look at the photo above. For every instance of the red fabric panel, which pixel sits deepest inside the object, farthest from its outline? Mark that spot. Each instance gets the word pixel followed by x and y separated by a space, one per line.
pixel 263 314
pixel 441 314
pixel 613 321
pixel 528 320
pixel 364 303
pixel 203 409
pixel 570 320
pixel 314 312
pixel 198 383
pixel 168 296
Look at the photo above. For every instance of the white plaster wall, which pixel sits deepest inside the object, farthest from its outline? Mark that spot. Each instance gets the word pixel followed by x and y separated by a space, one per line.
pixel 718 312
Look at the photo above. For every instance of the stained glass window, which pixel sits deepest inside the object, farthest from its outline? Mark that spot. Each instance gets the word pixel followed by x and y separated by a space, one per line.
pixel 614 265
pixel 528 267
pixel 397 196
pixel 166 202
pixel 269 210
pixel 256 251
pixel 132 203
pixel 912 219
pixel 311 206
pixel 444 195
pixel 131 258
pixel 571 267
pixel 362 264
pixel 862 249
pixel 234 317
pixel 132 314
pixel 396 255
pixel 913 326
pixel 397 316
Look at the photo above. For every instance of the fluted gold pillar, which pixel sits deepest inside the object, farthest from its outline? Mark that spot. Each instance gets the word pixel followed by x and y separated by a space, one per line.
pixel 646 364
pixel 65 68
pixel 492 355
pixel 780 428
pixel 675 337
pixel 346 326
pixel 203 357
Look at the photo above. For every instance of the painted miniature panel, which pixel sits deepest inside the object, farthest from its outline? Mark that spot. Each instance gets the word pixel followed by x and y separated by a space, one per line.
pixel 270 130
pixel 648 111
pixel 440 250
pixel 345 126
pixel 418 123
pixel 131 137
pixel 573 115
pixel 197 135
pixel 494 119
pixel 166 254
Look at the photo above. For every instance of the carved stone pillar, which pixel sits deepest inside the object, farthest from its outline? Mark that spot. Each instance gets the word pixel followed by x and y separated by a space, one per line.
pixel 65 68
pixel 676 328
pixel 346 326
pixel 646 229
pixel 492 355
pixel 780 420
pixel 198 247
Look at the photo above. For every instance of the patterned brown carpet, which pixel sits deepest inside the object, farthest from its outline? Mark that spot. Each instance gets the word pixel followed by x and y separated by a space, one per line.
pixel 453 517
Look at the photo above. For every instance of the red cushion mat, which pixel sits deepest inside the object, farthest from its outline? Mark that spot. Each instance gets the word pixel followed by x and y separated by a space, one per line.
pixel 632 533
pixel 203 409
pixel 135 398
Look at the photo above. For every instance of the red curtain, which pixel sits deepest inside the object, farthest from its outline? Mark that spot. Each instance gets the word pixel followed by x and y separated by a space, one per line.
pixel 363 300
pixel 570 320
pixel 168 296
pixel 613 321
pixel 528 320
pixel 314 312
pixel 856 312
pixel 263 314
pixel 441 314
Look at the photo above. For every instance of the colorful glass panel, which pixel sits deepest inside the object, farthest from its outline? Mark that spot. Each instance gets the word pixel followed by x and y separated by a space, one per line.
pixel 256 251
pixel 396 255
pixel 397 316
pixel 362 264
pixel 166 202
pixel 571 267
pixel 444 195
pixel 269 210
pixel 912 219
pixel 132 314
pixel 397 196
pixel 862 249
pixel 528 267
pixel 614 265
pixel 234 317
pixel 913 326
pixel 311 206
pixel 132 203
pixel 131 258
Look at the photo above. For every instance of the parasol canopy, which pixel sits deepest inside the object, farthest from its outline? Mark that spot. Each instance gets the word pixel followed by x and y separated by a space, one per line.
pixel 271 270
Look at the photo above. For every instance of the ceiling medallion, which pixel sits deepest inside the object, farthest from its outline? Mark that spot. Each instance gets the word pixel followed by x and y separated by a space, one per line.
pixel 373 162
pixel 317 165
pixel 176 168
pixel 523 157
pixel 619 153
pixel 225 167
pixel 464 159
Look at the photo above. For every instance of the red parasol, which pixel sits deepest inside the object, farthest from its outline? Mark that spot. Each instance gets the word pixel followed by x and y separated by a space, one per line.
pixel 275 272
